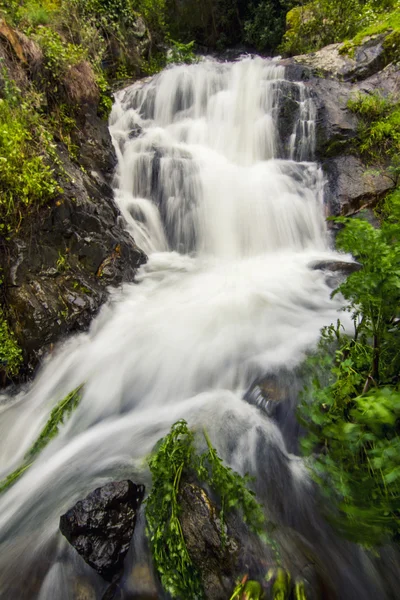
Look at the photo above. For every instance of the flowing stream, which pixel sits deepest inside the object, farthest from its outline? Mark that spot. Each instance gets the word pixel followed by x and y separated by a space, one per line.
pixel 231 218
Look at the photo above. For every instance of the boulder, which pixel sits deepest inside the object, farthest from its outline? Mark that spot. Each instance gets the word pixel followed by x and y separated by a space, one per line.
pixel 336 266
pixel 101 526
pixel 352 185
pixel 359 63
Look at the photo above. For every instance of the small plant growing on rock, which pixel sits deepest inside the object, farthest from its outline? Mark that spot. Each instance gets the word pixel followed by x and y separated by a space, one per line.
pixel 60 413
pixel 175 455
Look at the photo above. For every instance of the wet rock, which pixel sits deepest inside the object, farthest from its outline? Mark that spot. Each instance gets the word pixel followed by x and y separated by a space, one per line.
pixel 101 526
pixel 59 266
pixel 216 562
pixel 336 125
pixel 268 392
pixel 288 113
pixel 336 266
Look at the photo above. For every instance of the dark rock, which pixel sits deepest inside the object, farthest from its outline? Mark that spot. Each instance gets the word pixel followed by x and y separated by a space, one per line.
pixel 336 271
pixel 336 266
pixel 336 125
pixel 267 393
pixel 101 526
pixel 352 185
pixel 288 114
pixel 60 264
pixel 202 530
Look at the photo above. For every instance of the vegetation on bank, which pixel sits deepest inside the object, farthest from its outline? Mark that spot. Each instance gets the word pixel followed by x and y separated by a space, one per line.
pixel 351 408
pixel 314 25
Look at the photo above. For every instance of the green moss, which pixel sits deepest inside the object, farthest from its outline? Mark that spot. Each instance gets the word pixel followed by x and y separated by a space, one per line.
pixel 381 24
pixel 10 352
pixel 391 46
pixel 379 130
pixel 321 22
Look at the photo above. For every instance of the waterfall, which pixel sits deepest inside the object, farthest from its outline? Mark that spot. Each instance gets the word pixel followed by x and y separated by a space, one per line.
pixel 231 217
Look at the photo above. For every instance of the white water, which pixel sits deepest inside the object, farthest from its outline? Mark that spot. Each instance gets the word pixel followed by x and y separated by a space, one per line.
pixel 230 226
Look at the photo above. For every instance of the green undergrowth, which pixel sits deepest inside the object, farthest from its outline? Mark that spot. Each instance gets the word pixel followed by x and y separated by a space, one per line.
pixel 175 457
pixel 385 22
pixel 314 25
pixel 378 138
pixel 58 416
pixel 27 156
pixel 351 407
pixel 10 352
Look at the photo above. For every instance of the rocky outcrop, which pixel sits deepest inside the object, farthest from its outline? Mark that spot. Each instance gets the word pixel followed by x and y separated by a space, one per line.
pixel 101 526
pixel 347 63
pixel 58 267
pixel 58 263
pixel 332 78
pixel 353 185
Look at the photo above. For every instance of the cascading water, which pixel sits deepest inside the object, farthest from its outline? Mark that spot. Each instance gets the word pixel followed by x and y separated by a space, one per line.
pixel 231 224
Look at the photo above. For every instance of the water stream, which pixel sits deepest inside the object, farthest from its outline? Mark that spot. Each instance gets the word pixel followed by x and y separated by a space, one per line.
pixel 231 219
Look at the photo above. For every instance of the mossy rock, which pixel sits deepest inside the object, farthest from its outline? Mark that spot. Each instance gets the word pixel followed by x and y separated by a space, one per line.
pixel 391 46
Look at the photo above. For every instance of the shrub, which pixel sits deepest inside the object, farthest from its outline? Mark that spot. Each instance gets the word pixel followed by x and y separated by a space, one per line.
pixel 352 408
pixel 26 178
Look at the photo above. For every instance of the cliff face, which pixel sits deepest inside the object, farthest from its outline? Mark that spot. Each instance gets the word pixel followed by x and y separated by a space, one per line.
pixel 59 261
pixel 335 78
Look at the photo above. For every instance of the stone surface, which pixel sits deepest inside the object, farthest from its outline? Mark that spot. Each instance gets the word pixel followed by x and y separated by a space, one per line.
pixel 201 528
pixel 101 526
pixel 336 266
pixel 353 185
pixel 369 58
pixel 58 268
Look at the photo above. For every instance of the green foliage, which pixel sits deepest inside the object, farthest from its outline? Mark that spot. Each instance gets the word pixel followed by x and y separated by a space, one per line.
pixel 171 558
pixel 58 54
pixel 353 413
pixel 58 416
pixel 175 455
pixel 265 25
pixel 281 583
pixel 26 153
pixel 320 22
pixel 181 53
pixel 247 590
pixel 10 352
pixel 379 130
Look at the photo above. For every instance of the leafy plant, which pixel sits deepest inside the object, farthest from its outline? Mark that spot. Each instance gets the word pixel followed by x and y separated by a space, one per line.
pixel 181 53
pixel 174 456
pixel 26 152
pixel 351 410
pixel 318 23
pixel 379 130
pixel 58 415
pixel 10 352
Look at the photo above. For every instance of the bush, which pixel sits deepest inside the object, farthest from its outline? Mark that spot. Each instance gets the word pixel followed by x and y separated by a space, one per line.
pixel 319 23
pixel 266 24
pixel 10 352
pixel 26 177
pixel 352 408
